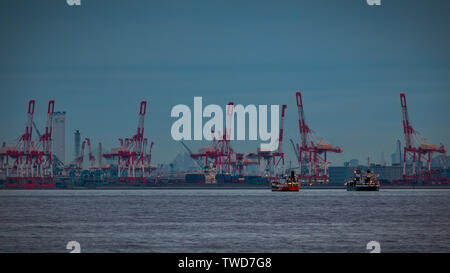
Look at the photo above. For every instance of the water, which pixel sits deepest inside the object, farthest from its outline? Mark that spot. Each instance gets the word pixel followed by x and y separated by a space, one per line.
pixel 224 220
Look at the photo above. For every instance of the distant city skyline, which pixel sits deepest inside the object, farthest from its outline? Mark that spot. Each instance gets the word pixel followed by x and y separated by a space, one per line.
pixel 350 61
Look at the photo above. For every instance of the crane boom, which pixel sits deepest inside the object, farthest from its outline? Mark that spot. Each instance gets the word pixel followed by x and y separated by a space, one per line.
pixel 190 153
pixel 139 137
pixel 407 128
pixel 303 128
pixel 295 149
pixel 36 129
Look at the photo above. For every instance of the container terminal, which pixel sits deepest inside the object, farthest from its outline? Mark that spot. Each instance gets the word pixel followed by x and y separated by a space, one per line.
pixel 32 162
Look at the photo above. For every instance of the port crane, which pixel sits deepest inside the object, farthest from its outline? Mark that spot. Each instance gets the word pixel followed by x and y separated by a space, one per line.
pixel 224 155
pixel 58 165
pixel 20 168
pixel 219 155
pixel 416 153
pixel 45 154
pixel 310 153
pixel 131 157
pixel 278 156
pixel 274 159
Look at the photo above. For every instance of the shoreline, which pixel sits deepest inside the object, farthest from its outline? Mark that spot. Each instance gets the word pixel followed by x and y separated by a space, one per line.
pixel 225 187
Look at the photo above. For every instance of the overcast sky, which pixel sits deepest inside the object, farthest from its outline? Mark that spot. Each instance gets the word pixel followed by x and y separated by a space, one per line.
pixel 350 60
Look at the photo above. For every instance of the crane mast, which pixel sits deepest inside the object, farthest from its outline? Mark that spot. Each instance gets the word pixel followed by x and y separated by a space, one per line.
pixel 45 155
pixel 140 129
pixel 26 138
pixel 407 128
pixel 314 155
pixel 47 137
pixel 303 128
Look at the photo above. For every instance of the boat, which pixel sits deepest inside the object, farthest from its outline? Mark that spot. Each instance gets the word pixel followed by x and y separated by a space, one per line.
pixel 287 183
pixel 360 182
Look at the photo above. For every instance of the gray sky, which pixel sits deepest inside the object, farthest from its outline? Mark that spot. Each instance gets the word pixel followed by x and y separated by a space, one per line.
pixel 350 60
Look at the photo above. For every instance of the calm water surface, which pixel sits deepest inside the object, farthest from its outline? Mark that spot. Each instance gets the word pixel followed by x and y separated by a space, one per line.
pixel 198 220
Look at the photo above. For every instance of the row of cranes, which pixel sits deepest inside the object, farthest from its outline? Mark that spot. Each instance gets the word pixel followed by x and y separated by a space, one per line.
pixel 219 156
pixel 30 163
pixel 130 161
pixel 311 156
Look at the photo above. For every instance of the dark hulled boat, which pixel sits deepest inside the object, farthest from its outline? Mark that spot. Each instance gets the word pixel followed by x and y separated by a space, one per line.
pixel 360 182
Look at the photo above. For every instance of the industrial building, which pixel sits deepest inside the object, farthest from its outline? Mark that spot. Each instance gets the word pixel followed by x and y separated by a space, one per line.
pixel 59 136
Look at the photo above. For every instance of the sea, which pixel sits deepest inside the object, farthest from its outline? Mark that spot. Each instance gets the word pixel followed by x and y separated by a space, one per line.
pixel 225 220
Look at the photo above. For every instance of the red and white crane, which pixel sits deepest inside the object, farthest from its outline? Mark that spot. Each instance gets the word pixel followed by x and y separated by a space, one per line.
pixel 131 157
pixel 45 154
pixel 20 159
pixel 218 156
pixel 415 153
pixel 270 158
pixel 312 154
pixel 226 153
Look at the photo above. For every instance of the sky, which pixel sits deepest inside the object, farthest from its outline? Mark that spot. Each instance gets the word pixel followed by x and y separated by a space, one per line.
pixel 350 61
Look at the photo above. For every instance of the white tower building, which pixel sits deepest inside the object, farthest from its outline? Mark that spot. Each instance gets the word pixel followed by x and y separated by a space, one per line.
pixel 59 136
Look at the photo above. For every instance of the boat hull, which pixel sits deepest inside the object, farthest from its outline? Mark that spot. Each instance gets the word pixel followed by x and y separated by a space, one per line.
pixel 285 188
pixel 363 188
